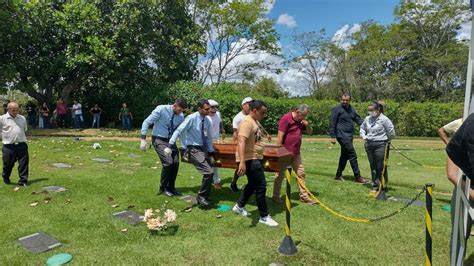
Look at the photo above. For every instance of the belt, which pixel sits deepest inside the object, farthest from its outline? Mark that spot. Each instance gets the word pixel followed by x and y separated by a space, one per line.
pixel 153 138
pixel 14 144
pixel 376 141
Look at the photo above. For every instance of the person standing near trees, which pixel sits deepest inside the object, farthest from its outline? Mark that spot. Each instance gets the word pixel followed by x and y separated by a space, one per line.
pixel 291 127
pixel 343 118
pixel 245 105
pixel 96 111
pixel 44 116
pixel 77 114
pixel 126 117
pixel 31 110
pixel 165 119
pixel 377 130
pixel 61 112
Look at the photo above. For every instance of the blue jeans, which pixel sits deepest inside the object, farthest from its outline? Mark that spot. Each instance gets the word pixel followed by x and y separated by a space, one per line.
pixel 32 121
pixel 78 121
pixel 126 122
pixel 96 120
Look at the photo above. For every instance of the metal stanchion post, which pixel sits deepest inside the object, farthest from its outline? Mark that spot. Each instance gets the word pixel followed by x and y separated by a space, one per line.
pixel 287 246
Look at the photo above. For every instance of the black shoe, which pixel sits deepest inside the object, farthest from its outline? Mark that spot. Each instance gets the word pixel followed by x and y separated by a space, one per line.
pixel 7 181
pixel 168 193
pixel 22 184
pixel 202 201
pixel 175 192
pixel 234 187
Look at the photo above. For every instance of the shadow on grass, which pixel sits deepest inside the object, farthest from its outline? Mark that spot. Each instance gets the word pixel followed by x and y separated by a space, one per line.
pixel 469 260
pixel 171 231
pixel 37 180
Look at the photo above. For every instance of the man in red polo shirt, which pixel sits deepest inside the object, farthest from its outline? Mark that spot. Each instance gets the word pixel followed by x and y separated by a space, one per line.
pixel 290 132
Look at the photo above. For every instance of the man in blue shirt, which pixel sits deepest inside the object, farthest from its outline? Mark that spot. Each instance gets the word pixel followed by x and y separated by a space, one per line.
pixel 194 134
pixel 165 119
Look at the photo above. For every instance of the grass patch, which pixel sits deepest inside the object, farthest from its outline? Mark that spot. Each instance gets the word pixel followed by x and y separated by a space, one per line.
pixel 81 218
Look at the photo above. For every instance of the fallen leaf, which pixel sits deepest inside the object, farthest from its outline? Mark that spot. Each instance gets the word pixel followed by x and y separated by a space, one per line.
pixel 110 198
pixel 47 198
pixel 131 206
pixel 34 193
pixel 68 201
pixel 34 204
pixel 16 189
pixel 188 209
pixel 219 216
pixel 46 201
pixel 115 206
pixel 124 230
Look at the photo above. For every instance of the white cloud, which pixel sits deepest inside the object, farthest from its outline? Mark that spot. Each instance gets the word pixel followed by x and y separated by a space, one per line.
pixel 342 36
pixel 286 20
pixel 465 32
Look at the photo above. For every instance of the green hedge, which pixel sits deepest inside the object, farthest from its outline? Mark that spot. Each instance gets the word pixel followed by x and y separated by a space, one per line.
pixel 410 118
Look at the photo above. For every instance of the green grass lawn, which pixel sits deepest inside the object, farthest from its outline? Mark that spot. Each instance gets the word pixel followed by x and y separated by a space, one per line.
pixel 86 228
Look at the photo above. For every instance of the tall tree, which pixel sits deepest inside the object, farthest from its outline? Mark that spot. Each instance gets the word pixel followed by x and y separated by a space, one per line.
pixel 232 30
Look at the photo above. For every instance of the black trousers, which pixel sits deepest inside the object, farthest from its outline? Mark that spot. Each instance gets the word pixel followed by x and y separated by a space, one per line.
pixel 375 153
pixel 12 153
pixel 256 184
pixel 347 153
pixel 170 164
pixel 61 120
pixel 199 157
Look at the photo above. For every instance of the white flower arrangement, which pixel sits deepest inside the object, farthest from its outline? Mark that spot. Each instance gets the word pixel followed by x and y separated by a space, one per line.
pixel 157 220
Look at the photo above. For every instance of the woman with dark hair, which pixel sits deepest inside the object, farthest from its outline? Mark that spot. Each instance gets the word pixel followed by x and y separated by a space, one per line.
pixel 377 130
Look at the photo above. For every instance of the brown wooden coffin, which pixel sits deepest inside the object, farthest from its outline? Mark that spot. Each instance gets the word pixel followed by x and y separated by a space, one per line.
pixel 273 156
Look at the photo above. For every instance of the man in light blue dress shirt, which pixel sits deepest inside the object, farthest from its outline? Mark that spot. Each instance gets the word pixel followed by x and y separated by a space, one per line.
pixel 165 119
pixel 194 134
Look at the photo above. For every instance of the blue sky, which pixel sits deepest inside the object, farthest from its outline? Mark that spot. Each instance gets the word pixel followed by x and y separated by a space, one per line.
pixel 312 15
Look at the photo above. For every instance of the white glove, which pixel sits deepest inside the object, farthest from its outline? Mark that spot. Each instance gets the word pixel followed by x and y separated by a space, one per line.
pixel 143 145
pixel 168 151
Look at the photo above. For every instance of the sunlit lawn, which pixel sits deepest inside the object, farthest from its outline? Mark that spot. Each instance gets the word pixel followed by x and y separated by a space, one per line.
pixel 86 228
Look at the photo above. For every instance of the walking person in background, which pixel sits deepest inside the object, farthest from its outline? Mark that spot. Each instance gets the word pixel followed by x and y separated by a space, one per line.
pixel 96 111
pixel 126 117
pixel 44 116
pixel 61 113
pixel 235 127
pixel 217 131
pixel 13 126
pixel 31 111
pixel 343 118
pixel 77 114
pixel 377 130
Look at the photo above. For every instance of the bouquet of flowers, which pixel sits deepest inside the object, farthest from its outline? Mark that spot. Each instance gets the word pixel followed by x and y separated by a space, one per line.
pixel 157 220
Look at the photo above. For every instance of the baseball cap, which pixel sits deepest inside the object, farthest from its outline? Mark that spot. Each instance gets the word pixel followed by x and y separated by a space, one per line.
pixel 246 100
pixel 213 103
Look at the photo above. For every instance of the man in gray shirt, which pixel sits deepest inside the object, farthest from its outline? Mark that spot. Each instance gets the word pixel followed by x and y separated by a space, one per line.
pixel 14 149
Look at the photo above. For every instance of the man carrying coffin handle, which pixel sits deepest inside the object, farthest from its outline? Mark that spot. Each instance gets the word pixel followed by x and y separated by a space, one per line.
pixel 165 119
pixel 194 134
pixel 250 155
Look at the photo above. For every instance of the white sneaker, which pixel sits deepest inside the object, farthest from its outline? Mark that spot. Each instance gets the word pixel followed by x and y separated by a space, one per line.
pixel 268 221
pixel 241 211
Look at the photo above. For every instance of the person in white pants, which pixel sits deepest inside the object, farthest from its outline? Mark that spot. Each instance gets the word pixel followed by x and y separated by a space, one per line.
pixel 217 130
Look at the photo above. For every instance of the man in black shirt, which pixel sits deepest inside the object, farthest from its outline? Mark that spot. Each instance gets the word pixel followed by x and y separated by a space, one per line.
pixel 343 117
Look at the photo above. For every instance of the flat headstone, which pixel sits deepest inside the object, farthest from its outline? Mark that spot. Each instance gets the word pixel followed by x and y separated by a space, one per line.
pixel 54 189
pixel 101 160
pixel 130 217
pixel 38 242
pixel 405 200
pixel 62 165
pixel 133 155
pixel 189 199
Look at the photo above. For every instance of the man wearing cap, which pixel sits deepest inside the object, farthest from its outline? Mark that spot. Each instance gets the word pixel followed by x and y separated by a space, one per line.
pixel 165 119
pixel 217 130
pixel 235 127
pixel 13 127
pixel 194 136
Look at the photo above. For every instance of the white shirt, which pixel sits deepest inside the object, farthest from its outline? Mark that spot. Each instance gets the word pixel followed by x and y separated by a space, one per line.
pixel 452 127
pixel 215 125
pixel 237 119
pixel 13 128
pixel 77 108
